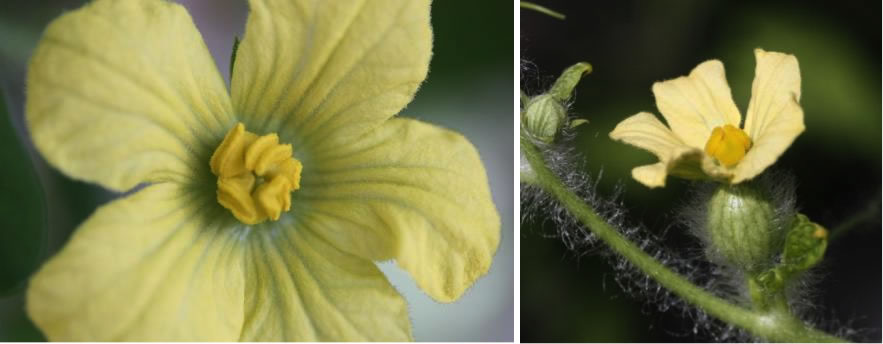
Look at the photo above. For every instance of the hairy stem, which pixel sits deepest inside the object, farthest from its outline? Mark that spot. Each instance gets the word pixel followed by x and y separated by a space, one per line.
pixel 773 325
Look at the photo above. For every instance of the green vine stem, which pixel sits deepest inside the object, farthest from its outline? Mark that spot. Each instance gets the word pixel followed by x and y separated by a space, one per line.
pixel 541 9
pixel 774 323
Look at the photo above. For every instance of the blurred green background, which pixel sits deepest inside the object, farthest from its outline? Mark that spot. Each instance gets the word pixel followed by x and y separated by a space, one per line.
pixel 469 90
pixel 632 44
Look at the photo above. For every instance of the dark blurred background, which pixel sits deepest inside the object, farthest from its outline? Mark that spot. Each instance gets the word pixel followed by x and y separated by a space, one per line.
pixel 469 90
pixel 633 43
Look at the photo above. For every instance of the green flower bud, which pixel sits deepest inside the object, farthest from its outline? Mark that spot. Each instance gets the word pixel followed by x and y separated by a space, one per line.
pixel 543 117
pixel 743 231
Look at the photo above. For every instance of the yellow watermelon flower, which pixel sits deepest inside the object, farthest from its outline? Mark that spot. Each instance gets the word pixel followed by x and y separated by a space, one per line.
pixel 705 139
pixel 256 214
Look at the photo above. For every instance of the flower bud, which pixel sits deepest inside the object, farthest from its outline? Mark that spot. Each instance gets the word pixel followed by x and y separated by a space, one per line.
pixel 543 117
pixel 742 229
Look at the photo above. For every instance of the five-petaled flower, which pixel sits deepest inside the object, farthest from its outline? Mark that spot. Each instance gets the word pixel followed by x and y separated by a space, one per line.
pixel 705 140
pixel 259 211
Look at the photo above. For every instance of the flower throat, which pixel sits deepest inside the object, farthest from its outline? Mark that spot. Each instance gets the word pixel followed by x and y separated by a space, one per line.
pixel 256 175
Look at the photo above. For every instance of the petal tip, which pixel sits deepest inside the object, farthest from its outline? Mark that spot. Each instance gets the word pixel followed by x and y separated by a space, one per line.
pixel 652 176
pixel 713 64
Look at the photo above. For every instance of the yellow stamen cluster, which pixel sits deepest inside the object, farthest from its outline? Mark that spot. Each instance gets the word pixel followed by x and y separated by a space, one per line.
pixel 256 175
pixel 728 144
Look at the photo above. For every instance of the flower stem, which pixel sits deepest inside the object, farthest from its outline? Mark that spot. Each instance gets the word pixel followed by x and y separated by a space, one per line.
pixel 773 325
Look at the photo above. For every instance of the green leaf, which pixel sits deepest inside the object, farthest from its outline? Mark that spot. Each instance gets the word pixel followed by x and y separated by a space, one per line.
pixel 804 246
pixel 563 87
pixel 22 210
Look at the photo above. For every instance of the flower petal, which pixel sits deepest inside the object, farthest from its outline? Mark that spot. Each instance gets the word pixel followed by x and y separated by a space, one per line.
pixel 310 68
pixel 774 118
pixel 146 268
pixel 409 191
pixel 652 175
pixel 300 288
pixel 645 131
pixel 123 92
pixel 693 105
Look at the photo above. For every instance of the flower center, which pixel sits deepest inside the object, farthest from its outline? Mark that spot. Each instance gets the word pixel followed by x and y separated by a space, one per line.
pixel 728 145
pixel 256 175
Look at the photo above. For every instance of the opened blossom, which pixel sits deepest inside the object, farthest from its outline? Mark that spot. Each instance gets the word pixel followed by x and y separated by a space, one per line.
pixel 705 137
pixel 256 214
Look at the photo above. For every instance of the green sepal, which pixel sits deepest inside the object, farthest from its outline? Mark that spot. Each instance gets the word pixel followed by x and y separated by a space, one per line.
pixel 22 210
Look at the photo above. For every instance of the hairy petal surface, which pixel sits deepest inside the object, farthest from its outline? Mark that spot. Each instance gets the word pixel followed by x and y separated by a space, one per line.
pixel 124 92
pixel 409 191
pixel 301 288
pixel 693 105
pixel 308 69
pixel 147 267
pixel 774 118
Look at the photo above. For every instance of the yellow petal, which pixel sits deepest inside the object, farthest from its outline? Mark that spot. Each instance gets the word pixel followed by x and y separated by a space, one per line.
pixel 694 105
pixel 645 131
pixel 300 288
pixel 409 191
pixel 685 162
pixel 652 175
pixel 774 117
pixel 312 68
pixel 123 92
pixel 147 267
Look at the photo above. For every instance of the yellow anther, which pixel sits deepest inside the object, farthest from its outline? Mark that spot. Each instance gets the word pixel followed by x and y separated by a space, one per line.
pixel 238 162
pixel 728 144
pixel 234 193
pixel 274 197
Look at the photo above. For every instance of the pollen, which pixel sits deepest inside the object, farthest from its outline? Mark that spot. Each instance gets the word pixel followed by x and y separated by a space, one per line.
pixel 256 175
pixel 728 144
